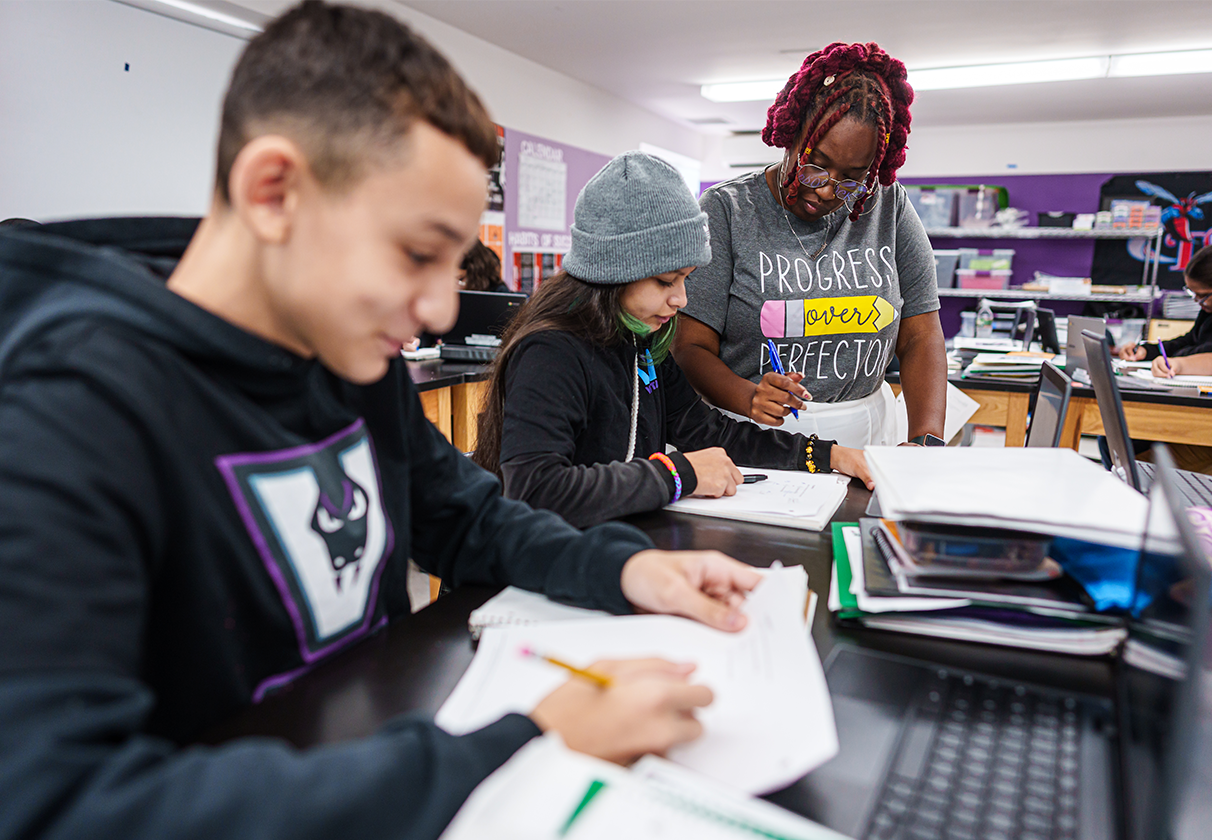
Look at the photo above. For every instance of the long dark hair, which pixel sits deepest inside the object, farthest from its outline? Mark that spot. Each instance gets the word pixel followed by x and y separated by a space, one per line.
pixel 481 268
pixel 587 310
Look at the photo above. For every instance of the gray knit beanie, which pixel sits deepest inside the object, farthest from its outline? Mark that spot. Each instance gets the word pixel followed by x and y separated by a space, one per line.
pixel 635 219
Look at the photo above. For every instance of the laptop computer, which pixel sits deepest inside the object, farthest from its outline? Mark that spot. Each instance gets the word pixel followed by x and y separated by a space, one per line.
pixel 476 334
pixel 1051 406
pixel 934 752
pixel 1045 330
pixel 1196 487
pixel 1075 351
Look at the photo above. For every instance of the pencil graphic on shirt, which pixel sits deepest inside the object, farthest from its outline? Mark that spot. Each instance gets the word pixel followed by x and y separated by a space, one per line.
pixel 825 316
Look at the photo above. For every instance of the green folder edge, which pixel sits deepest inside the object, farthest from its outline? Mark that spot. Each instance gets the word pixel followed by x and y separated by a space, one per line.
pixel 841 561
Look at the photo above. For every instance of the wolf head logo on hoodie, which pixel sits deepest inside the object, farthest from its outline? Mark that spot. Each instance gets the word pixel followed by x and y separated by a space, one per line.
pixel 315 514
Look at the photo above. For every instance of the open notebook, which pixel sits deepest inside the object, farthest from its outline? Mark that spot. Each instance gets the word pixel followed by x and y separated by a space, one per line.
pixel 789 498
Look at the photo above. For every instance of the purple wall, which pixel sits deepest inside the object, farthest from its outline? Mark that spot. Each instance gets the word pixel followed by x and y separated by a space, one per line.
pixel 581 165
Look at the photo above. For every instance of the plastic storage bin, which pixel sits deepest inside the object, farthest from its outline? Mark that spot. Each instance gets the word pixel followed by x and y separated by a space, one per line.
pixel 971 278
pixel 978 206
pixel 998 259
pixel 935 207
pixel 945 263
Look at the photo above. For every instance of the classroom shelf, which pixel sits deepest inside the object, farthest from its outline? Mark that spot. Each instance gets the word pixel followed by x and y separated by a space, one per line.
pixel 1040 233
pixel 1019 294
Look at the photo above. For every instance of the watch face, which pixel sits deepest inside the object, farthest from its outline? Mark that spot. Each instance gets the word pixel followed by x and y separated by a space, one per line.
pixel 931 440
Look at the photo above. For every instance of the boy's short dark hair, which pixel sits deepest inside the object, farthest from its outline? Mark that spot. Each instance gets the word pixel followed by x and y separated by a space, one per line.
pixel 345 83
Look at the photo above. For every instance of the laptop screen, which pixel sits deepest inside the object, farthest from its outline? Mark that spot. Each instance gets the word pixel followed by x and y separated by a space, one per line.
pixel 1075 351
pixel 1110 406
pixel 1051 405
pixel 1166 679
pixel 483 317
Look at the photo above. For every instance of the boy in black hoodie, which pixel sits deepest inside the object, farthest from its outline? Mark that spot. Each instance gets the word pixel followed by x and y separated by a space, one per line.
pixel 211 482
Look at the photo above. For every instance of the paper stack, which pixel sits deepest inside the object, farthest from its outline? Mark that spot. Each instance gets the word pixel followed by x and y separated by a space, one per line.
pixel 548 792
pixel 1007 367
pixel 1090 525
pixel 869 588
pixel 772 663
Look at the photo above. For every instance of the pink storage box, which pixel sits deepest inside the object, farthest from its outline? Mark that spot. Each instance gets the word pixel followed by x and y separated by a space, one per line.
pixel 971 278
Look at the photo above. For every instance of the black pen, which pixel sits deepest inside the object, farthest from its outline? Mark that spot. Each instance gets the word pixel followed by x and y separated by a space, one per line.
pixel 755 478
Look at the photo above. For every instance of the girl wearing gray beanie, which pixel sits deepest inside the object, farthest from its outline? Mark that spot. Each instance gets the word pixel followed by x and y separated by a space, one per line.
pixel 584 395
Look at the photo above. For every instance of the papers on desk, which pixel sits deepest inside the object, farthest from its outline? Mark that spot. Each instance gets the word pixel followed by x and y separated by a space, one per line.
pixel 1012 367
pixel 1203 383
pixel 517 606
pixel 1052 491
pixel 546 792
pixel 771 664
pixel 790 498
pixel 421 354
pixel 1052 617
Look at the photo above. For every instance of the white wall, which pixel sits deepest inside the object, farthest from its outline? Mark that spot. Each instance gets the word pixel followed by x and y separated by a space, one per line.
pixel 82 136
pixel 1129 145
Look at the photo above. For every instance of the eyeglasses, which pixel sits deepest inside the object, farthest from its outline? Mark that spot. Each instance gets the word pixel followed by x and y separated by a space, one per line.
pixel 814 177
pixel 1195 297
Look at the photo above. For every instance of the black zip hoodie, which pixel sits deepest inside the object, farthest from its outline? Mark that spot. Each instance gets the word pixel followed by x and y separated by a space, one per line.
pixel 568 422
pixel 190 517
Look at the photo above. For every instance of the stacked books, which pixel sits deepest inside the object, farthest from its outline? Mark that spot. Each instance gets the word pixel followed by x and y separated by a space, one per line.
pixel 1021 547
pixel 874 586
pixel 1007 367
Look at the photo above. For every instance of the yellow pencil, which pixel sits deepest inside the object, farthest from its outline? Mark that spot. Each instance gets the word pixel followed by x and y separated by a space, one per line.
pixel 593 676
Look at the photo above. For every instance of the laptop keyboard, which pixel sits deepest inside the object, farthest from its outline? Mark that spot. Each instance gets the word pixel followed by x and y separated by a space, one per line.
pixel 983 761
pixel 1196 487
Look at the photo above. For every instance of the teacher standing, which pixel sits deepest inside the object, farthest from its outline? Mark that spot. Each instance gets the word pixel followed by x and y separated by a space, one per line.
pixel 824 255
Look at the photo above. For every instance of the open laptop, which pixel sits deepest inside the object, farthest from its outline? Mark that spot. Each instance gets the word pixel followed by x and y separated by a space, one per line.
pixel 1075 351
pixel 1196 487
pixel 1051 406
pixel 1045 330
pixel 932 752
pixel 476 334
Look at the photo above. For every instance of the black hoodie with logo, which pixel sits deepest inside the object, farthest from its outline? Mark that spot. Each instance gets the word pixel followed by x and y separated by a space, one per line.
pixel 191 517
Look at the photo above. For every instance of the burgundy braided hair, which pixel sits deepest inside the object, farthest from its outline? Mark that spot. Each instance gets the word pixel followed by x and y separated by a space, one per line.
pixel 856 80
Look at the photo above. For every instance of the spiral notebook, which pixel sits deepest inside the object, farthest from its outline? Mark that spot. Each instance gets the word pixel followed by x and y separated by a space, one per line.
pixel 518 606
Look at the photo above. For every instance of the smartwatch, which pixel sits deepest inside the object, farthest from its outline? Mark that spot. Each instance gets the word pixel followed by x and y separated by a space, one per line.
pixel 928 440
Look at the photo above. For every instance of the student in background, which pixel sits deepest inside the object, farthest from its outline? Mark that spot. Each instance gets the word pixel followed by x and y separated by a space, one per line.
pixel 584 395
pixel 823 254
pixel 480 270
pixel 1197 277
pixel 213 480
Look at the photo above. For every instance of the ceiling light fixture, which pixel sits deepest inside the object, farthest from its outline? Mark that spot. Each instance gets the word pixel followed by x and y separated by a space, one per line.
pixel 742 91
pixel 220 16
pixel 1014 73
pixel 1161 63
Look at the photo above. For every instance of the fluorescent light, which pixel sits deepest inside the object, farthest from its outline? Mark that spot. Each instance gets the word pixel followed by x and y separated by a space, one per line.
pixel 743 91
pixel 1162 63
pixel 1015 73
pixel 239 22
pixel 1019 73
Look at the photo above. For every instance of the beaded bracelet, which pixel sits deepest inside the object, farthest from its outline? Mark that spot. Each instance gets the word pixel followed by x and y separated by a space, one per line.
pixel 668 462
pixel 816 455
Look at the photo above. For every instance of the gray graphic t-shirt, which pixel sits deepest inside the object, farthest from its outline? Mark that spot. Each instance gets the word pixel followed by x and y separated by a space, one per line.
pixel 834 316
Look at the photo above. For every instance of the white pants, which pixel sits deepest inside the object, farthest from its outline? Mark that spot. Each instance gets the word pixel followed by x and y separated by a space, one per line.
pixel 870 421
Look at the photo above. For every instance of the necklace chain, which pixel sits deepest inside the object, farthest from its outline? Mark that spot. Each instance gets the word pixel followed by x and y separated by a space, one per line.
pixel 787 218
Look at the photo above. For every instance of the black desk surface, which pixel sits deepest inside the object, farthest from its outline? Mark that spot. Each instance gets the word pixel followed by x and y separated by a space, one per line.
pixel 431 374
pixel 414 665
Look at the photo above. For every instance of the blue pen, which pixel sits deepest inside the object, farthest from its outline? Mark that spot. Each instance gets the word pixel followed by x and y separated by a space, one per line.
pixel 776 364
pixel 1161 345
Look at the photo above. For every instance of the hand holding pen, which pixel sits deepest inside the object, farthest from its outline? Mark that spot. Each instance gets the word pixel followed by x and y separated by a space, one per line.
pixel 1162 369
pixel 778 393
